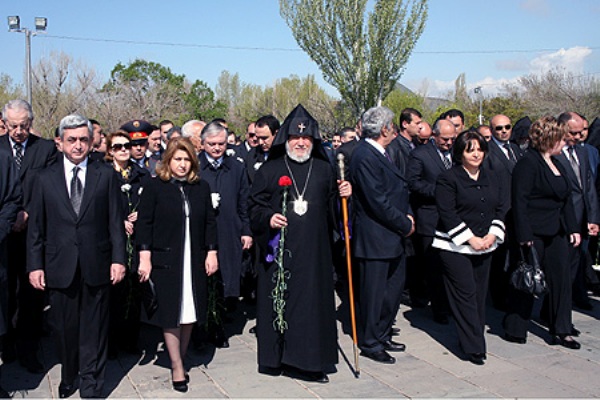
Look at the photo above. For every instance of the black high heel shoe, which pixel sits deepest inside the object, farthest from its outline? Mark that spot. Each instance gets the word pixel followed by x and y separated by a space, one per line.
pixel 181 386
pixel 569 343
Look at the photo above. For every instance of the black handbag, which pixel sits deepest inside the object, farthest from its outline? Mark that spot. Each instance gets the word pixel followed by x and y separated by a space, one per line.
pixel 149 299
pixel 529 277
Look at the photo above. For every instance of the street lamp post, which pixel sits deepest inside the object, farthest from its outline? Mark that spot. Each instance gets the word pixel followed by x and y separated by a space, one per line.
pixel 14 25
pixel 477 90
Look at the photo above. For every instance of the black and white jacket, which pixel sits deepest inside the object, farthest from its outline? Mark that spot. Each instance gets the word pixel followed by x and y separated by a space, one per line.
pixel 469 208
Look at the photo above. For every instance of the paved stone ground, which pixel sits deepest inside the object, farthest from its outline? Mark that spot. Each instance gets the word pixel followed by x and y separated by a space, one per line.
pixel 431 367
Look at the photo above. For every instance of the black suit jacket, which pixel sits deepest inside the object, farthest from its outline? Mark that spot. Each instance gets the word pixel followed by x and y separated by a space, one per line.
pixel 381 204
pixel 424 166
pixel 59 241
pixel 39 154
pixel 539 209
pixel 585 199
pixel 496 160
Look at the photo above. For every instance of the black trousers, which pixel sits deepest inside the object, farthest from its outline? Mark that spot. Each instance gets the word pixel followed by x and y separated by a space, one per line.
pixel 466 278
pixel 434 275
pixel 381 285
pixel 553 252
pixel 24 302
pixel 79 317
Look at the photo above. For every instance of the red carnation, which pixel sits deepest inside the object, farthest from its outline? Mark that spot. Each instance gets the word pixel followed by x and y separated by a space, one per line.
pixel 285 181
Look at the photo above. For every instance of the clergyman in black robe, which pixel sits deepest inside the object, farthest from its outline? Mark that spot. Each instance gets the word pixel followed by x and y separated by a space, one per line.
pixel 308 346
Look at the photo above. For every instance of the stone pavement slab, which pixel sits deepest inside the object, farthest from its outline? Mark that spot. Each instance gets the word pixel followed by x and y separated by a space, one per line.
pixel 430 368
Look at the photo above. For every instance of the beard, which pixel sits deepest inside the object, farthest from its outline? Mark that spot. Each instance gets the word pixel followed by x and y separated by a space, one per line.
pixel 298 158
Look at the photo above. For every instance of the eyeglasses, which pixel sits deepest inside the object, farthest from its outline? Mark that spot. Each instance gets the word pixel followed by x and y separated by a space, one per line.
pixel 251 134
pixel 578 133
pixel 121 146
pixel 498 128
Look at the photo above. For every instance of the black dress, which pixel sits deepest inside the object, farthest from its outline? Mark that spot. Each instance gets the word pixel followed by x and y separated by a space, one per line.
pixel 161 229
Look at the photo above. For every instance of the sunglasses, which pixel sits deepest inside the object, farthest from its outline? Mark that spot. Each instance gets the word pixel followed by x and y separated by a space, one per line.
pixel 498 128
pixel 251 135
pixel 121 146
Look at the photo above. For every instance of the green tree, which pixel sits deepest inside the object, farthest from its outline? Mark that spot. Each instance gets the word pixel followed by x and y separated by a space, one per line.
pixel 362 54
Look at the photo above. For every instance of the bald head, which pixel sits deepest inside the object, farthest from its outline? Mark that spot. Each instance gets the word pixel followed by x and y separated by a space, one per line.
pixel 575 127
pixel 501 127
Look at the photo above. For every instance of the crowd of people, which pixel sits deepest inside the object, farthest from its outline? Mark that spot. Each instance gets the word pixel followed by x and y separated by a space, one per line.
pixel 173 226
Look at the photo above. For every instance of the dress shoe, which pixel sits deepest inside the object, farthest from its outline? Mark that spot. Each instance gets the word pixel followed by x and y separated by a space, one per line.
pixel 441 319
pixel 390 345
pixel 65 390
pixel 379 356
pixel 575 332
pixel 514 339
pixel 477 358
pixel 309 376
pixel 31 364
pixel 566 341
pixel 584 305
pixel 269 370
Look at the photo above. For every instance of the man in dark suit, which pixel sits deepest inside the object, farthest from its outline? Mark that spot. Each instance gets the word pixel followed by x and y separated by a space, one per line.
pixel 500 160
pixel 31 154
pixel 426 162
pixel 575 159
pixel 266 129
pixel 10 202
pixel 382 220
pixel 76 248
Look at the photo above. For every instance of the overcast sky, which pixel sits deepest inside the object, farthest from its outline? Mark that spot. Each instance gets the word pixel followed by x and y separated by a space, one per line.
pixel 491 41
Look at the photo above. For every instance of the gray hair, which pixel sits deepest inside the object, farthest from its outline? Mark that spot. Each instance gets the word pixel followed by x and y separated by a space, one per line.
pixel 74 121
pixel 375 119
pixel 18 104
pixel 187 128
pixel 213 129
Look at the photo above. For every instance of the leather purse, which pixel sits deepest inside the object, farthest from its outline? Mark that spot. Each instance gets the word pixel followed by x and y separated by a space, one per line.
pixel 529 277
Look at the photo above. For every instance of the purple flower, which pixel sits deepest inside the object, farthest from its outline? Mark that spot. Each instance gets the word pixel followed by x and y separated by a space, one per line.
pixel 272 248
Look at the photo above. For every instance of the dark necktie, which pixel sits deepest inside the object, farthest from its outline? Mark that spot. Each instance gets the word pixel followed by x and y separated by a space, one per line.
pixel 511 154
pixel 18 154
pixel 387 155
pixel 574 164
pixel 447 161
pixel 76 191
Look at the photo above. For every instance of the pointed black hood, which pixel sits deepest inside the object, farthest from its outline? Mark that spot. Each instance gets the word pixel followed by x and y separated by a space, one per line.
pixel 298 123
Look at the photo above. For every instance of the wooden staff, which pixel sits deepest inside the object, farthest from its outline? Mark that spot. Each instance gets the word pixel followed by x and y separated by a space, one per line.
pixel 340 158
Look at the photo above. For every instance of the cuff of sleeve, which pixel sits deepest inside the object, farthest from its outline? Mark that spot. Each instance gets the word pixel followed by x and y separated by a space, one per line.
pixel 143 246
pixel 210 247
pixel 461 234
pixel 497 229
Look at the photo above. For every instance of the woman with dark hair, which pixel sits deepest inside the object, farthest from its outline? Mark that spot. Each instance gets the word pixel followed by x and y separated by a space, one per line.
pixel 125 303
pixel 472 204
pixel 545 219
pixel 177 243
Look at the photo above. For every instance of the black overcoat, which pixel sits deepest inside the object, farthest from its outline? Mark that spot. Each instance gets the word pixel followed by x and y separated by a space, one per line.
pixel 230 181
pixel 161 229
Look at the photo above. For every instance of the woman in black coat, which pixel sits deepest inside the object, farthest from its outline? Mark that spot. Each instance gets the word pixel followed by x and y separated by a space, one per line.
pixel 177 242
pixel 545 219
pixel 472 204
pixel 125 303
